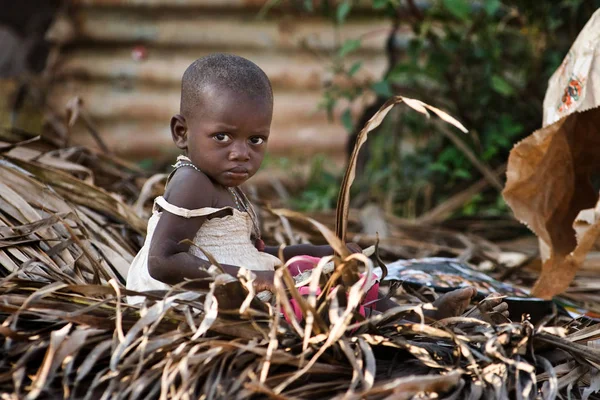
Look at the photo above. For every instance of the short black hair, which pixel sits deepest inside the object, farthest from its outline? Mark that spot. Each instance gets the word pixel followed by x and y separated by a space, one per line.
pixel 225 71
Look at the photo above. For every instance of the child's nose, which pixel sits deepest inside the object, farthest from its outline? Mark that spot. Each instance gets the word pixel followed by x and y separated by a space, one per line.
pixel 239 152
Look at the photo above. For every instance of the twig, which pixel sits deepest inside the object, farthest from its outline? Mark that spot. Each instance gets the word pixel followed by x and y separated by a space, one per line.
pixel 443 210
pixel 489 175
pixel 87 121
pixel 415 10
pixel 510 271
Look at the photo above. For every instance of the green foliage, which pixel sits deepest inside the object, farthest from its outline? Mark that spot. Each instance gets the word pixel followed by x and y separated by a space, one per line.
pixel 277 162
pixel 354 68
pixel 349 46
pixel 458 8
pixel 485 62
pixel 382 88
pixel 491 6
pixel 380 4
pixel 500 86
pixel 343 10
pixel 347 120
pixel 322 188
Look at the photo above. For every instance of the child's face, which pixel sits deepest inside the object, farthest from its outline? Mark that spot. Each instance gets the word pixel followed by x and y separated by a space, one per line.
pixel 227 137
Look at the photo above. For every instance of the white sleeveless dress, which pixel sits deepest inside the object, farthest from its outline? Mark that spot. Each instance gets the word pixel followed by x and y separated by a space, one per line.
pixel 226 238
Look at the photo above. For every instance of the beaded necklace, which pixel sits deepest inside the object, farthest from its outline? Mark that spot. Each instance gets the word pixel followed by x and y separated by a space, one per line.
pixel 239 198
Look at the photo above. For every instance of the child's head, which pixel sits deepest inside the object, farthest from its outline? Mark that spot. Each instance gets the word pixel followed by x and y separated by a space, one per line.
pixel 225 117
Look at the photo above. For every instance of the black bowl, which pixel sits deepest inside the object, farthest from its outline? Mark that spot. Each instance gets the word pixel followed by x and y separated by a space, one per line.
pixel 537 308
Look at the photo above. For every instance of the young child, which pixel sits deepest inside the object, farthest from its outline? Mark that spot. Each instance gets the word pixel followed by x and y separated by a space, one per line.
pixel 223 128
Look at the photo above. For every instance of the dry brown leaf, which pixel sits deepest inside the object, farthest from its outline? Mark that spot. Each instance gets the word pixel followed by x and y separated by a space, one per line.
pixel 548 173
pixel 559 271
pixel 343 202
pixel 79 192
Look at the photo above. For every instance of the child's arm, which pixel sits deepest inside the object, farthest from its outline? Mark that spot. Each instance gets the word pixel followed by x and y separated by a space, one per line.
pixel 300 250
pixel 308 250
pixel 169 260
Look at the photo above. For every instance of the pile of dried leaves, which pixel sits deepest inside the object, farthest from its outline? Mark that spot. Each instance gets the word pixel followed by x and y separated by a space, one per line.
pixel 68 333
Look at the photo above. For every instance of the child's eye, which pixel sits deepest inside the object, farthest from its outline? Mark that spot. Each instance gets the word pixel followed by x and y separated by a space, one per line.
pixel 222 137
pixel 257 140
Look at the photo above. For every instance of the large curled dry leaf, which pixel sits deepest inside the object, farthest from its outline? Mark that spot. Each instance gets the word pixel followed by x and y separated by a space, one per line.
pixel 548 184
pixel 559 270
pixel 549 173
pixel 343 202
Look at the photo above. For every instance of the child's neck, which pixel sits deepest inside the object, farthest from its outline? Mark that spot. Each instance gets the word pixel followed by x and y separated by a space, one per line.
pixel 239 197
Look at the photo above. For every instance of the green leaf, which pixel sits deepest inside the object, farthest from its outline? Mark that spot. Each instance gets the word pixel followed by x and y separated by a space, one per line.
pixel 342 11
pixel 347 120
pixel 308 5
pixel 382 88
pixel 449 155
pixel 146 163
pixel 379 4
pixel 349 46
pixel 355 68
pixel 500 203
pixel 489 153
pixel 459 8
pixel 471 207
pixel 491 6
pixel 509 127
pixel 462 173
pixel 438 167
pixel 401 71
pixel 501 86
pixel 328 103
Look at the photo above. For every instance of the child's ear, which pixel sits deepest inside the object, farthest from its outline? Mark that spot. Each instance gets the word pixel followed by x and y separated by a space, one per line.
pixel 179 131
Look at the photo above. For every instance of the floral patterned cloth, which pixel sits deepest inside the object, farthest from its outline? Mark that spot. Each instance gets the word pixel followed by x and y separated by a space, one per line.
pixel 575 85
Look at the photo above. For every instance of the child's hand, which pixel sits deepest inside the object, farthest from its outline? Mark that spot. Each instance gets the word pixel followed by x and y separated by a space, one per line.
pixel 264 281
pixel 353 247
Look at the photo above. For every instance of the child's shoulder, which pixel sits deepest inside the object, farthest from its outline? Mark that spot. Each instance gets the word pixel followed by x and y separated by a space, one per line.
pixel 190 189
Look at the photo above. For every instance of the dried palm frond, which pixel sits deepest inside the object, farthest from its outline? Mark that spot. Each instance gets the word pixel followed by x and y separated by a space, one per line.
pixel 405 239
pixel 58 227
pixel 66 331
pixel 83 341
pixel 343 204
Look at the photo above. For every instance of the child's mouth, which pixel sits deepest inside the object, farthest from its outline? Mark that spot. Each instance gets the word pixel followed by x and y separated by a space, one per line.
pixel 237 173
